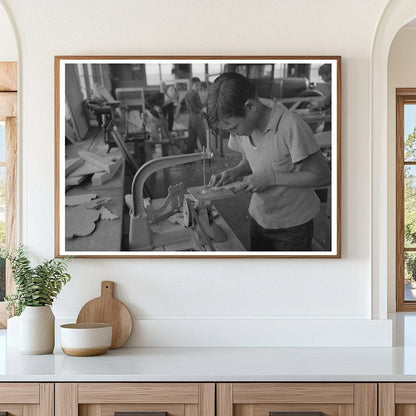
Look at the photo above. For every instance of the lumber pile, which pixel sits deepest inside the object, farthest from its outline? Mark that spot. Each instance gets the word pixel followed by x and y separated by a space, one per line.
pixel 100 168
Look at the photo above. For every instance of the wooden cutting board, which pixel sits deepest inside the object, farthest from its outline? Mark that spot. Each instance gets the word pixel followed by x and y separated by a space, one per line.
pixel 108 310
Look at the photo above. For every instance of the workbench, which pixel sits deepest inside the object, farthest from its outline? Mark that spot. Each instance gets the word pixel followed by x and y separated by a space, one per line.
pixel 107 235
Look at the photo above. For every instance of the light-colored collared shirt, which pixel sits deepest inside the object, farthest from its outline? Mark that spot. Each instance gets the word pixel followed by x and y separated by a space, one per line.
pixel 287 140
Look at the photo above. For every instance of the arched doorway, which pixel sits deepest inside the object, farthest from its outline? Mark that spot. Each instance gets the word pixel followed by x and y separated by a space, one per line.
pixel 395 16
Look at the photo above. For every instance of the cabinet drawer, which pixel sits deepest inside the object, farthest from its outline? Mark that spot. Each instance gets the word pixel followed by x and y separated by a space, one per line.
pixel 397 399
pixel 297 399
pixel 21 399
pixel 138 393
pixel 147 399
pixel 19 393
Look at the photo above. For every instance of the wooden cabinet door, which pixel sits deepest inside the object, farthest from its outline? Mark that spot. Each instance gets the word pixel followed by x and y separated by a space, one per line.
pixel 145 399
pixel 297 399
pixel 26 399
pixel 397 399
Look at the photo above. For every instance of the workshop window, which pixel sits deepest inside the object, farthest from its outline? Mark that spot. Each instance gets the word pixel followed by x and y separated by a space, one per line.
pixel 8 166
pixel 406 199
pixel 157 73
pixel 85 79
pixel 314 74
pixel 198 70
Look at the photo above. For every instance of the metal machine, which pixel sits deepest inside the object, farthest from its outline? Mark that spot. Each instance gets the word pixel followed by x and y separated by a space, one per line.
pixel 141 235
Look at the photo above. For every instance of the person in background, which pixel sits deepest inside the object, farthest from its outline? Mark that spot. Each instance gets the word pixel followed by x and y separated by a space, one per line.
pixel 196 125
pixel 156 120
pixel 324 103
pixel 281 164
pixel 171 106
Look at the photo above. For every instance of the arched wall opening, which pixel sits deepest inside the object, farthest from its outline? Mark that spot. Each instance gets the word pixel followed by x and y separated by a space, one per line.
pixel 8 45
pixel 400 74
pixel 396 15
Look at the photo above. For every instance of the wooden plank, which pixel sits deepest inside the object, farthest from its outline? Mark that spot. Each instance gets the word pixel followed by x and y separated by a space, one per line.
pixel 31 410
pixel 345 410
pixel 245 410
pixel 138 393
pixel 405 410
pixel 405 91
pixel 191 410
pixel 24 393
pixel 74 180
pixel 341 393
pixel 386 399
pixel 96 160
pixel 365 403
pixel 8 76
pixel 203 194
pixel 100 178
pixel 72 164
pixel 207 399
pixel 86 169
pixel 8 105
pixel 47 399
pixel 405 393
pixel 117 181
pixel 91 410
pixel 66 399
pixel 224 399
pixel 74 200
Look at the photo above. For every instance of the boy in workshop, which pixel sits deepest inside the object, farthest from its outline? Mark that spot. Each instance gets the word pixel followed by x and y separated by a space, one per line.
pixel 196 125
pixel 281 164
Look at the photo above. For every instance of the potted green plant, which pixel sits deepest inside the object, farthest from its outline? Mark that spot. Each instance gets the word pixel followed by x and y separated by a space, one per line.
pixel 36 289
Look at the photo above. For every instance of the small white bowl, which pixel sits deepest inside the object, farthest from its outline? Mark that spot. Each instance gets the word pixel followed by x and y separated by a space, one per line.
pixel 83 340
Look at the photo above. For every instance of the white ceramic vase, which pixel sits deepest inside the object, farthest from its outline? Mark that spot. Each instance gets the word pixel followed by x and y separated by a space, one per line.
pixel 37 330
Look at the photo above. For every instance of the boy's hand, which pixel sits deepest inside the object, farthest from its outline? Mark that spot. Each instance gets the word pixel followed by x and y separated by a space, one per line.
pixel 259 182
pixel 222 178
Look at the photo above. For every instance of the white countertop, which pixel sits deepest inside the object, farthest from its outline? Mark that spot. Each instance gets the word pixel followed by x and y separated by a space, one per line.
pixel 215 364
pixel 222 364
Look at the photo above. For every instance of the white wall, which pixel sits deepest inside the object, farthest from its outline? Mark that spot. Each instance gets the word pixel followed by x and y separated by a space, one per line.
pixel 401 74
pixel 8 46
pixel 200 300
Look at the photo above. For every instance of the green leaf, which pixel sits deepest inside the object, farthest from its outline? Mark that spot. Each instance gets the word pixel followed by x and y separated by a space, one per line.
pixel 35 286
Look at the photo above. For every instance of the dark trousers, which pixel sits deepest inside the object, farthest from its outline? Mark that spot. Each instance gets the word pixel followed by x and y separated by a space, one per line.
pixel 168 112
pixel 196 128
pixel 298 238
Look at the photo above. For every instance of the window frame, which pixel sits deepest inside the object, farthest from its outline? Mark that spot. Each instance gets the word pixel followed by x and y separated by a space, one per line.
pixel 403 96
pixel 8 113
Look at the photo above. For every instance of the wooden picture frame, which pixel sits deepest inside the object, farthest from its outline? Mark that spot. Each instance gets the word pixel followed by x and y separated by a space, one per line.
pixel 134 156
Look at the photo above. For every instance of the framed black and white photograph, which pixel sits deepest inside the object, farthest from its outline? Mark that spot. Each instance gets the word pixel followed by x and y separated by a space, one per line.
pixel 198 156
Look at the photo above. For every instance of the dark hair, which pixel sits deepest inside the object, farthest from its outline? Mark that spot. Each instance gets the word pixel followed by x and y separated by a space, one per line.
pixel 227 97
pixel 194 80
pixel 324 69
pixel 155 99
